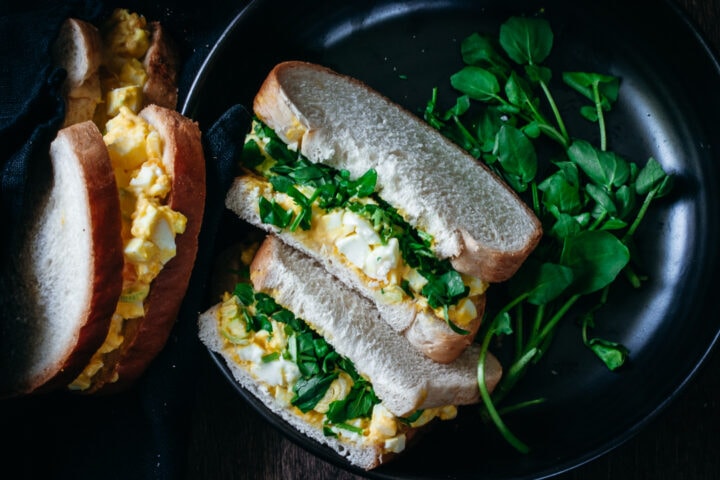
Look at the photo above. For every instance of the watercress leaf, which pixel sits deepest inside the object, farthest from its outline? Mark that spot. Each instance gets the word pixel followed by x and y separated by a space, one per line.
pixel 596 258
pixel 625 199
pixel 589 113
pixel 602 197
pixel 583 83
pixel 488 126
pixel 462 104
pixel 365 184
pixel 516 154
pixel 612 354
pixel 565 226
pixel 649 177
pixel 532 129
pixel 477 83
pixel 614 224
pixel 481 50
pixel 252 155
pixel 518 92
pixel 606 169
pixel 281 183
pixel 308 392
pixel 274 214
pixel 538 73
pixel 245 293
pixel 526 40
pixel 502 324
pixel 544 282
pixel 561 193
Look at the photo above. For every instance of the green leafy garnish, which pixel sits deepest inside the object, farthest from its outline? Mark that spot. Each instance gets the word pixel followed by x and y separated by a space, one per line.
pixel 318 362
pixel 590 200
pixel 292 174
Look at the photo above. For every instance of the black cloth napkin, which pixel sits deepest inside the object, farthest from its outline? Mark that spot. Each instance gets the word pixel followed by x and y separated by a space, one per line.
pixel 141 433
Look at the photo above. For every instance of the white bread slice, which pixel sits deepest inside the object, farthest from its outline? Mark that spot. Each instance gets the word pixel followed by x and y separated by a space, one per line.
pixel 65 281
pixel 144 337
pixel 401 377
pixel 366 456
pixel 78 49
pixel 477 221
pixel 428 333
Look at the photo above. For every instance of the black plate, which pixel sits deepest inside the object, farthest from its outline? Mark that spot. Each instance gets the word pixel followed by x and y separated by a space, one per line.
pixel 668 100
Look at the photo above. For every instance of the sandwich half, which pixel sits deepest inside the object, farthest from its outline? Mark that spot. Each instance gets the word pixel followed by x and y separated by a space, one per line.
pixel 386 203
pixel 318 354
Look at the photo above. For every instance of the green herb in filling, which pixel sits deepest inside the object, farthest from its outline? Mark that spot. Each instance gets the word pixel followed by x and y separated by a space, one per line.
pixel 291 173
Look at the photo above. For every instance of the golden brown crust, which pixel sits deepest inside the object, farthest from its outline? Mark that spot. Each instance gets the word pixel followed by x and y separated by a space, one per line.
pixel 144 337
pixel 107 251
pixel 161 64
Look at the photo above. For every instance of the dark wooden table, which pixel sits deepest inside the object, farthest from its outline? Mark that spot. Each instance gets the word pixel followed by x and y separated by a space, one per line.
pixel 231 441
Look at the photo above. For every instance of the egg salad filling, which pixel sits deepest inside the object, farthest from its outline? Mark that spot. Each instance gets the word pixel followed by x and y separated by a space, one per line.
pixel 149 225
pixel 329 211
pixel 301 371
pixel 126 40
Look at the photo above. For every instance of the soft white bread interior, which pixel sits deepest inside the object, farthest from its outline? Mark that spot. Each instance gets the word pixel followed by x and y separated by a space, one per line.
pixel 428 333
pixel 64 279
pixel 476 219
pixel 403 378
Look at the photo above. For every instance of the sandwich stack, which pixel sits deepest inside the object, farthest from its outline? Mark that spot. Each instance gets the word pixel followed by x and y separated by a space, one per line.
pixel 356 318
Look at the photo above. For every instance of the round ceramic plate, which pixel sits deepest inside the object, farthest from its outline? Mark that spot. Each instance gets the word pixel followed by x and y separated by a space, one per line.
pixel 667 108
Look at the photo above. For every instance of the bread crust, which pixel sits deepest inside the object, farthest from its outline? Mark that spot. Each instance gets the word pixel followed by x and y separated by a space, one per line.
pixel 161 65
pixel 144 337
pixel 89 161
pixel 274 107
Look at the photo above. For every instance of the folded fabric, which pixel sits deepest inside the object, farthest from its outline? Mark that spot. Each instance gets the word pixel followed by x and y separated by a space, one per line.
pixel 141 433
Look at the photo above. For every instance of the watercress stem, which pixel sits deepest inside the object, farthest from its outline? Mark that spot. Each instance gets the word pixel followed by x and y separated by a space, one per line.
pixel 600 115
pixel 553 321
pixel 488 402
pixel 556 112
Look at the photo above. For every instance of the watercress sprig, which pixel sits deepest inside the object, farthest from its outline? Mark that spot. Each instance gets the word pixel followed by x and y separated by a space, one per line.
pixel 590 200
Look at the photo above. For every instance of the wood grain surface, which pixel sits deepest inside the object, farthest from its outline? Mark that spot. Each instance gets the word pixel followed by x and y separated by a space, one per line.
pixel 683 442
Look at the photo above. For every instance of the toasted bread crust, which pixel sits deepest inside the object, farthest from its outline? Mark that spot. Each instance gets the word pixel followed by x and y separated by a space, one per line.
pixel 275 107
pixel 144 337
pixel 161 64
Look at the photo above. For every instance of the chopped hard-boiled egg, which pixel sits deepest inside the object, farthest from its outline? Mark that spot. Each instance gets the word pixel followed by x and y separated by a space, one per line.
pixel 126 40
pixel 266 355
pixel 149 224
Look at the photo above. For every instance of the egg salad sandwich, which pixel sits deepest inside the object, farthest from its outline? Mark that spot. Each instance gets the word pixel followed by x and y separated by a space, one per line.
pixel 386 203
pixel 112 236
pixel 127 61
pixel 317 354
